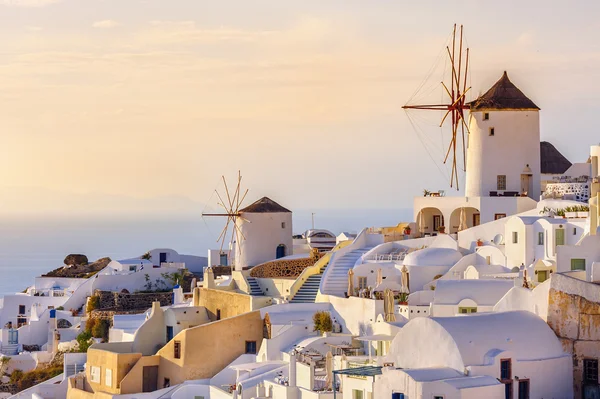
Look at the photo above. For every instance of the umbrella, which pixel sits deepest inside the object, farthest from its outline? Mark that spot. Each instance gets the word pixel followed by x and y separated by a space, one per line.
pixel 329 369
pixel 421 222
pixel 388 305
pixel 405 289
pixel 350 282
pixel 379 276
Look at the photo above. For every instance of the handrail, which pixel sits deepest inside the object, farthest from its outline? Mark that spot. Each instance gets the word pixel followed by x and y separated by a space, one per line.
pixel 314 269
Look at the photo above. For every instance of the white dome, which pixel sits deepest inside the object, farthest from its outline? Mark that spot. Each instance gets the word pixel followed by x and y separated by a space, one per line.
pixel 433 257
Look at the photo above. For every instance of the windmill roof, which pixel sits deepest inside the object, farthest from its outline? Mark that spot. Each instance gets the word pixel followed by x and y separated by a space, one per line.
pixel 265 205
pixel 552 160
pixel 503 95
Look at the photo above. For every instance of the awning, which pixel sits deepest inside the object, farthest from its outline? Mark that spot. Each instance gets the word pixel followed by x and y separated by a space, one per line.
pixel 367 371
pixel 377 337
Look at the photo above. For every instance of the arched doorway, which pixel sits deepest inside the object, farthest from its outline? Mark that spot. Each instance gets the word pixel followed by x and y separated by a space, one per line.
pixel 471 218
pixel 429 221
pixel 280 251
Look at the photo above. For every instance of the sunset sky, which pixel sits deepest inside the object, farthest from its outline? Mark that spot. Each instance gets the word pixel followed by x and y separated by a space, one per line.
pixel 159 98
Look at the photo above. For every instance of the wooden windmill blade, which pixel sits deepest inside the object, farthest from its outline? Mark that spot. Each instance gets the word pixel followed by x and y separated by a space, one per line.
pixel 456 105
pixel 231 211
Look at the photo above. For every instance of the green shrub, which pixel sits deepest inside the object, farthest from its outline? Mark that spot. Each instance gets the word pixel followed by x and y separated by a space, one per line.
pixel 322 322
pixel 60 308
pixel 100 329
pixel 89 324
pixel 27 380
pixel 93 303
pixel 16 376
pixel 83 340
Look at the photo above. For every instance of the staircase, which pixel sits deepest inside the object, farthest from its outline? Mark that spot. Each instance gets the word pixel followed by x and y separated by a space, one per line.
pixel 337 275
pixel 10 349
pixel 308 292
pixel 254 287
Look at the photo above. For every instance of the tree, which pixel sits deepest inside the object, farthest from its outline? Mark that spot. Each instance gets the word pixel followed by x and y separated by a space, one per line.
pixel 322 322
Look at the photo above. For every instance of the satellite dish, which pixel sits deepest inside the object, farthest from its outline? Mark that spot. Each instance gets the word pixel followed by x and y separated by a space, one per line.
pixel 498 239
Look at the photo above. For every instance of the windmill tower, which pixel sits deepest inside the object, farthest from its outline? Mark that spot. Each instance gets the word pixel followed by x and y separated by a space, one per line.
pixel 267 230
pixel 504 144
pixel 231 211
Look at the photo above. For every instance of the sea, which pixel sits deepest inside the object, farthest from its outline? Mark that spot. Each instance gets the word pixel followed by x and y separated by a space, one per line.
pixel 33 245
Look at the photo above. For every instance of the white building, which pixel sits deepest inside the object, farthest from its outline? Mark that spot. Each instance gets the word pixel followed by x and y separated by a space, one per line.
pixel 454 297
pixel 476 356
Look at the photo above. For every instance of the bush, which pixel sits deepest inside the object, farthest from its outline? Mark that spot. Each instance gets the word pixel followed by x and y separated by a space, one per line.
pixel 89 324
pixel 34 377
pixel 100 330
pixel 60 308
pixel 83 340
pixel 16 376
pixel 93 303
pixel 322 322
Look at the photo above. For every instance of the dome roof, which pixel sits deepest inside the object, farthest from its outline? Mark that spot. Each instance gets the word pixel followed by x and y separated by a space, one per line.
pixel 433 257
pixel 503 95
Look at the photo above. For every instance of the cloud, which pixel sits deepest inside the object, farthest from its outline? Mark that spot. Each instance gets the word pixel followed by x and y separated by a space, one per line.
pixel 27 3
pixel 105 24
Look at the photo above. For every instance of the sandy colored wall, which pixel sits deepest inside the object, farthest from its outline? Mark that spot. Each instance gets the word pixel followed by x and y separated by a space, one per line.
pixel 119 363
pixel 230 303
pixel 133 381
pixel 221 342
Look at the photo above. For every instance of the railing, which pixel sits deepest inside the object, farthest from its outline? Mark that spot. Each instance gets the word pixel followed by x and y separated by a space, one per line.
pixel 385 257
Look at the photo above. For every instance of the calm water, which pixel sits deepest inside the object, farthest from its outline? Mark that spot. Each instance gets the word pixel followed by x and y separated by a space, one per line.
pixel 32 246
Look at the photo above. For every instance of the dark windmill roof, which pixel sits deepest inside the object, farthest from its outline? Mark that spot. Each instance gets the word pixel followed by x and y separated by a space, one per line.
pixel 552 160
pixel 265 205
pixel 503 95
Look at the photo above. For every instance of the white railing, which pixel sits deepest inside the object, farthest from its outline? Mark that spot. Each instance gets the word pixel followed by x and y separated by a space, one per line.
pixel 385 257
pixel 175 265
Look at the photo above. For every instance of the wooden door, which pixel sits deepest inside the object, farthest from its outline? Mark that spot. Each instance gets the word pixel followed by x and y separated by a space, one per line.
pixel 150 378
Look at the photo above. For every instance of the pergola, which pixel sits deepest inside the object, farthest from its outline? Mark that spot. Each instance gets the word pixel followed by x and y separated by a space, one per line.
pixel 366 371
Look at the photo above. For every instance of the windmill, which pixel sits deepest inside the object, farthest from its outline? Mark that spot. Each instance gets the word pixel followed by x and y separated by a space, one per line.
pixel 231 211
pixel 456 102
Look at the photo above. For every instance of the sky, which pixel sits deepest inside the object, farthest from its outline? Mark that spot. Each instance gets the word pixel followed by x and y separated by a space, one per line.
pixel 135 104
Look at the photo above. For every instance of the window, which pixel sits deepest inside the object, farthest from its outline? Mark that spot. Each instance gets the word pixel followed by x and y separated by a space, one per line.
pixel 177 350
pixel 499 216
pixel 218 314
pixel 506 377
pixel 590 371
pixel 283 225
pixel 251 347
pixel 166 383
pixel 515 237
pixel 501 182
pixel 132 268
pixel 486 117
pixel 108 378
pixel 541 238
pixel 438 397
pixel 577 264
pixel 466 309
pixel 362 283
pixel 21 309
pixel 505 369
pixel 523 389
pixel 95 374
pixel 574 231
pixel 492 131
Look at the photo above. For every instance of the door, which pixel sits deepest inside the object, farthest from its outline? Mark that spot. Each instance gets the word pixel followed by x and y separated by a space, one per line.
pixel 559 236
pixel 163 258
pixel 13 337
pixel 476 219
pixel 169 333
pixel 150 378
pixel 280 251
pixel 223 259
pixel 523 389
pixel 437 222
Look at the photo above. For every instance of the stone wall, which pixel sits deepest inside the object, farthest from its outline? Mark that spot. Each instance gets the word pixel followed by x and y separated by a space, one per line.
pixel 108 314
pixel 221 271
pixel 123 301
pixel 286 268
pixel 574 315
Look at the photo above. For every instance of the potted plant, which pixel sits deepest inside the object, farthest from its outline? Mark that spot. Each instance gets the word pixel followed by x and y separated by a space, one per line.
pixel 407 230
pixel 479 242
pixel 442 230
pixel 403 299
pixel 426 193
